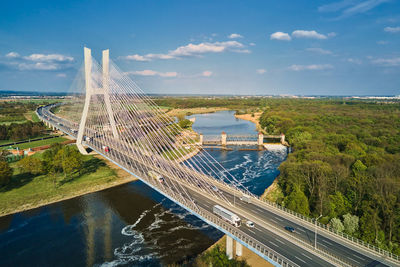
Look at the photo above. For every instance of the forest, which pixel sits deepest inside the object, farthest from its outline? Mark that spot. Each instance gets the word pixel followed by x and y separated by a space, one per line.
pixel 345 164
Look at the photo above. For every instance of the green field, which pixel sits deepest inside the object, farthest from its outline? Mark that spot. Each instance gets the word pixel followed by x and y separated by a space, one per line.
pixel 38 143
pixel 26 190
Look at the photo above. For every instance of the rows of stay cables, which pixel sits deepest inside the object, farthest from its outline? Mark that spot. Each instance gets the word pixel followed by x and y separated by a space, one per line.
pixel 127 126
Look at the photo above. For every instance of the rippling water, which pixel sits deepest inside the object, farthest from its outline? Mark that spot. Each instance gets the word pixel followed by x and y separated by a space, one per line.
pixel 129 225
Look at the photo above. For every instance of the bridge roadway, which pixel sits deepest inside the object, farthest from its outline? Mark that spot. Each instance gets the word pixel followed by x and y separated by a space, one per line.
pixel 269 225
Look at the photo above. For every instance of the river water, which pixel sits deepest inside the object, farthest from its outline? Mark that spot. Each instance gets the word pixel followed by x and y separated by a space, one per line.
pixel 130 225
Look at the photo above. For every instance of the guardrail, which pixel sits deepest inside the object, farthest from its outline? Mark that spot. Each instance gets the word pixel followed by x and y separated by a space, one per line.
pixel 322 227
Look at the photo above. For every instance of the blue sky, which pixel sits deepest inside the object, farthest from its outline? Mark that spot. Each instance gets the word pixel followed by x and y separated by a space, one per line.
pixel 343 47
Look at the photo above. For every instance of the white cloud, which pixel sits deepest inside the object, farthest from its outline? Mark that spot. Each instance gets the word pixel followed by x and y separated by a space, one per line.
pixel 61 75
pixel 42 62
pixel 38 66
pixel 49 58
pixel 308 34
pixel 252 44
pixel 392 29
pixel 153 73
pixel 349 8
pixel 332 34
pixel 282 36
pixel 354 61
pixel 319 51
pixel 311 67
pixel 387 62
pixel 137 57
pixel 235 36
pixel 191 50
pixel 382 42
pixel 261 71
pixel 12 55
pixel 207 73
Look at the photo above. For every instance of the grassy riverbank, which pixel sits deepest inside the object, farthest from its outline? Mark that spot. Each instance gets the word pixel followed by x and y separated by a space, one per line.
pixel 26 191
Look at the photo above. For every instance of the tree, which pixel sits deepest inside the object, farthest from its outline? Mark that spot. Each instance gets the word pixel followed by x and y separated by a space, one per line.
pixel 5 173
pixel 185 123
pixel 337 224
pixel 31 165
pixel 338 204
pixel 298 202
pixel 350 223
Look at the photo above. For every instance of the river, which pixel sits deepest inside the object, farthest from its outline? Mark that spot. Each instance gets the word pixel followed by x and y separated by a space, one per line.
pixel 130 225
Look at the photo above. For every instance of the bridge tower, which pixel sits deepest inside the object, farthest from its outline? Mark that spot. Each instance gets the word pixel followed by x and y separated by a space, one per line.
pixel 223 138
pixel 260 140
pixel 105 90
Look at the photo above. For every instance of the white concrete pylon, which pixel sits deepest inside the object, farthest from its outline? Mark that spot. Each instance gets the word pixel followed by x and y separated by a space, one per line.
pixel 89 92
pixel 106 91
pixel 239 249
pixel 88 70
pixel 229 247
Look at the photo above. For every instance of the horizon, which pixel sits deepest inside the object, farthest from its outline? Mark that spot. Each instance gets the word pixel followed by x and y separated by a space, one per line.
pixel 208 48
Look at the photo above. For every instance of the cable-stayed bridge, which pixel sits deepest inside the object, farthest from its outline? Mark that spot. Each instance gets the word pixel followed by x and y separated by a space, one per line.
pixel 114 118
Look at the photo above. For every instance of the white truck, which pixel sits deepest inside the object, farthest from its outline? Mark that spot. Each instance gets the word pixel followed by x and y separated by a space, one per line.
pixel 227 215
pixel 245 198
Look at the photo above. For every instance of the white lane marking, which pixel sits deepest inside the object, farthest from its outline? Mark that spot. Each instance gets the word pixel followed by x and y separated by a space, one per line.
pixel 355 260
pixel 274 244
pixel 252 231
pixel 273 220
pixel 299 259
pixel 322 245
pixel 358 257
pixel 279 219
pixel 306 256
pixel 280 241
pixel 301 230
pixel 260 210
pixel 327 242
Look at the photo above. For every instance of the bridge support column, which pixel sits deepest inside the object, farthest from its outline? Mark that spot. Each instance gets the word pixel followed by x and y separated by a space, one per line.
pixel 201 139
pixel 223 138
pixel 239 249
pixel 229 247
pixel 282 138
pixel 260 140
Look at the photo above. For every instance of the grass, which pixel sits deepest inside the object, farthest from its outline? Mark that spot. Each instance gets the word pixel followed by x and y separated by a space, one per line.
pixel 26 190
pixel 39 143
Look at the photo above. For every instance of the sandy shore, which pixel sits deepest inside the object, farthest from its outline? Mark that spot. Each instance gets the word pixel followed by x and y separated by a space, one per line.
pixel 254 119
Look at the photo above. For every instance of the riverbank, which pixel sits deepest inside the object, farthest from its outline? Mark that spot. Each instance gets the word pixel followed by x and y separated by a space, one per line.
pixel 181 113
pixel 254 119
pixel 27 192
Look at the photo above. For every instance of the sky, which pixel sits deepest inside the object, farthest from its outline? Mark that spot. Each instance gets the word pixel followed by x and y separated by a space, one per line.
pixel 302 47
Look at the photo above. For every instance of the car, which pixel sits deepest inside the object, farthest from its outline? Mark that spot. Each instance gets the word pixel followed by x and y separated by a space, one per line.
pixel 250 224
pixel 290 229
pixel 214 188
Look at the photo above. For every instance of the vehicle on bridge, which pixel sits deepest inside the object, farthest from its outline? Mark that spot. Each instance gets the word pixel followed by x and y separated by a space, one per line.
pixel 245 198
pixel 156 176
pixel 106 149
pixel 227 215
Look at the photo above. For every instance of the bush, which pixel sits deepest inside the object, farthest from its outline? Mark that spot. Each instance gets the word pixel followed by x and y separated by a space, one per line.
pixel 5 173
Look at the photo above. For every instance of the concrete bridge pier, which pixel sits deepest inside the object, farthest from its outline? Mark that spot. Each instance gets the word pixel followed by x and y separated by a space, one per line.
pixel 260 140
pixel 282 138
pixel 201 139
pixel 239 249
pixel 223 138
pixel 229 247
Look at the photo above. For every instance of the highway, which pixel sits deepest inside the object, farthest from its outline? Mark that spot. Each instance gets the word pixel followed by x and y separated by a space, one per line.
pixel 269 224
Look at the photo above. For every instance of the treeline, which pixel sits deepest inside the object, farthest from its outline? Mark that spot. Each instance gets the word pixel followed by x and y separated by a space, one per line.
pixel 59 160
pixel 345 164
pixel 208 102
pixel 21 131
